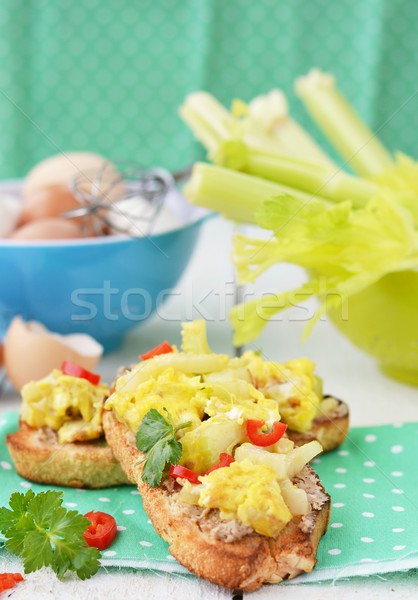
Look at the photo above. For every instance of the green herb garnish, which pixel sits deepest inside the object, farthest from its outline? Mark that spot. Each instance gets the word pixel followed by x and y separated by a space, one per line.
pixel 43 533
pixel 157 437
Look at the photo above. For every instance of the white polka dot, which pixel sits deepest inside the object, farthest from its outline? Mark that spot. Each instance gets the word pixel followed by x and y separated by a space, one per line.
pixel 5 465
pixel 334 551
pixel 128 511
pixel 397 474
pixel 398 529
pixel 399 547
pixel 396 449
pixel 337 525
pixel 316 461
pixel 368 495
pixel 103 499
pixel 135 493
pixel 341 470
pixel 145 544
pixel 368 480
pixel 370 438
pixel 121 528
pixel 109 553
pixel 398 508
pixel 170 557
pixel 80 490
pixel 339 486
pixel 397 491
pixel 366 560
pixel 2 422
pixel 338 505
pixel 149 521
pixel 25 484
pixel 369 463
pixel 367 540
pixel 70 504
pixel 368 514
pixel 343 453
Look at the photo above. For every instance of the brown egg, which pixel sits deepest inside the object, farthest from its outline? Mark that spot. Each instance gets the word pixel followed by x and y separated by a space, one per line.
pixel 47 229
pixel 62 168
pixel 31 351
pixel 48 202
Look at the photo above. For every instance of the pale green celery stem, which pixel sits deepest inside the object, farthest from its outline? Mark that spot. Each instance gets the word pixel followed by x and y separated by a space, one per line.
pixel 359 147
pixel 331 184
pixel 211 123
pixel 207 118
pixel 299 143
pixel 235 195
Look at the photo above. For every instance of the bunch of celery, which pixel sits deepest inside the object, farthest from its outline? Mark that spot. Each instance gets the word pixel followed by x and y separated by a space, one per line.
pixel 347 230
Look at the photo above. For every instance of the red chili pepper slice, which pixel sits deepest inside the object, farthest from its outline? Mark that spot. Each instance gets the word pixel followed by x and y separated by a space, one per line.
pixel 183 473
pixel 163 348
pixel 102 530
pixel 259 437
pixel 225 460
pixel 9 580
pixel 69 368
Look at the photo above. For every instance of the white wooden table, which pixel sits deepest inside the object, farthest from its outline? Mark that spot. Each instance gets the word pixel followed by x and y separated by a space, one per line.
pixel 206 290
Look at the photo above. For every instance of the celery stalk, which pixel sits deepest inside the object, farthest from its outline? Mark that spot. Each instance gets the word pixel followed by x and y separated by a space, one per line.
pixel 334 185
pixel 270 113
pixel 235 195
pixel 263 124
pixel 231 145
pixel 207 118
pixel 359 147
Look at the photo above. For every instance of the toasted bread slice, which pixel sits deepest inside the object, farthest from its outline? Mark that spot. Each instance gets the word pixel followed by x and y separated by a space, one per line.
pixel 40 457
pixel 330 427
pixel 224 552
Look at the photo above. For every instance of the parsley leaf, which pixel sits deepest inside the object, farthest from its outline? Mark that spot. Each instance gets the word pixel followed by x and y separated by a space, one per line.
pixel 156 437
pixel 44 533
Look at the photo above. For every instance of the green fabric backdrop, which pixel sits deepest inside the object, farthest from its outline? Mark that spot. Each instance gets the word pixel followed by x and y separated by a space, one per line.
pixel 108 75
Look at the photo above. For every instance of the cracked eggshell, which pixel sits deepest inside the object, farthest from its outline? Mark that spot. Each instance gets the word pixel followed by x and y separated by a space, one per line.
pixel 31 351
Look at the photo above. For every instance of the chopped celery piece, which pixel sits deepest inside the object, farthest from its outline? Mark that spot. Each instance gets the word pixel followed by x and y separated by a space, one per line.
pixel 295 498
pixel 299 457
pixel 203 445
pixel 194 339
pixel 359 147
pixel 186 363
pixel 258 456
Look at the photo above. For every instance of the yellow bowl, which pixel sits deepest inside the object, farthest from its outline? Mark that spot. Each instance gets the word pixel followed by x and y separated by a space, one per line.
pixel 382 320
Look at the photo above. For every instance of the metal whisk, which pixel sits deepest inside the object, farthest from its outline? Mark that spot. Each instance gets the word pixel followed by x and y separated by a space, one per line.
pixel 126 199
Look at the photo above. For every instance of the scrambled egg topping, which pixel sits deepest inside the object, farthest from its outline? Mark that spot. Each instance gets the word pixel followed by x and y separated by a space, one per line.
pixel 248 492
pixel 69 405
pixel 178 393
pixel 218 394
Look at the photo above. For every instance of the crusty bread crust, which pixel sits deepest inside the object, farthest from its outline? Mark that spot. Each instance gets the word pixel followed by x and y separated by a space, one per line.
pixel 330 429
pixel 39 457
pixel 245 563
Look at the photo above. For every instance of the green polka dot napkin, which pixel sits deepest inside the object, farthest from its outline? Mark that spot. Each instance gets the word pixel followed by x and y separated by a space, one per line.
pixel 372 479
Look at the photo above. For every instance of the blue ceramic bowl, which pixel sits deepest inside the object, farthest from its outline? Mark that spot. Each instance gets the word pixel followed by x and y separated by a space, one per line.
pixel 100 286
